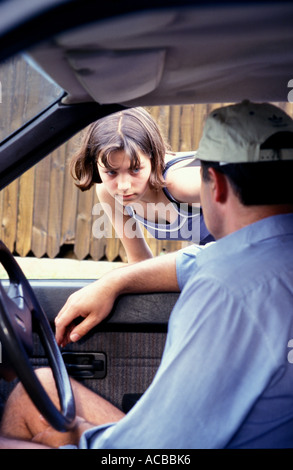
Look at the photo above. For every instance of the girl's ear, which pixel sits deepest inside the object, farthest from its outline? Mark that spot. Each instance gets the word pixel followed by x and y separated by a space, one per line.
pixel 219 185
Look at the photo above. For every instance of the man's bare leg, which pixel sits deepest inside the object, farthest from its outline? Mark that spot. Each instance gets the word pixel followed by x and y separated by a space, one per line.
pixel 21 420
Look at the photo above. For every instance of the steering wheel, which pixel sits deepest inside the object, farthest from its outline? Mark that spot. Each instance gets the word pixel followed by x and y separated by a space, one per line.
pixel 20 314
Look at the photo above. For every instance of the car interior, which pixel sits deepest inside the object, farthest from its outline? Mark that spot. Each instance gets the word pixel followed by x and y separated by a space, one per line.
pixel 98 59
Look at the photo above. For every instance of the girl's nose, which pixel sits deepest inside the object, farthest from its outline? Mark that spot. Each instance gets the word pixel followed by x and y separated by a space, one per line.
pixel 124 184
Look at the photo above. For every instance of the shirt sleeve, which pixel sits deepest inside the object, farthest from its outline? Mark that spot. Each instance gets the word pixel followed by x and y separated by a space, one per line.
pixel 186 263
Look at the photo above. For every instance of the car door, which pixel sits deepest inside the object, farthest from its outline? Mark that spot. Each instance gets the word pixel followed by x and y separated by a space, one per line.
pixel 119 358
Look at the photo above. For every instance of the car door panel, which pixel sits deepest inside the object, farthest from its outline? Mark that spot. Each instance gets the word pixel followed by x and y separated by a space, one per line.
pixel 119 358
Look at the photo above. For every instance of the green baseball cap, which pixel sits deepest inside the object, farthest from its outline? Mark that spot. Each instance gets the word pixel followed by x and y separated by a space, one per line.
pixel 247 132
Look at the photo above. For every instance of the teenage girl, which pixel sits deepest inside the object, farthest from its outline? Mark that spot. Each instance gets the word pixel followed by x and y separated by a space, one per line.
pixel 139 180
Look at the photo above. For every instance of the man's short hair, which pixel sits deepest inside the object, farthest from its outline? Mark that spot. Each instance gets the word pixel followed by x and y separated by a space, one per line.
pixel 257 183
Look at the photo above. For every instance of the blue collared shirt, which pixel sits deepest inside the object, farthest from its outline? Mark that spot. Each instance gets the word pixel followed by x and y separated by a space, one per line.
pixel 225 379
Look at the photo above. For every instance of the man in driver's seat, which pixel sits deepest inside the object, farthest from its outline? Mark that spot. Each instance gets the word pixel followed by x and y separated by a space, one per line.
pixel 225 379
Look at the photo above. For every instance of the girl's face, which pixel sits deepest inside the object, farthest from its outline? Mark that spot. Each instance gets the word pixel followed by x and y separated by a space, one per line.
pixel 124 182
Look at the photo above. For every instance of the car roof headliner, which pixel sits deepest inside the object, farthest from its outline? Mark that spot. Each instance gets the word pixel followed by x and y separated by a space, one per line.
pixel 112 54
pixel 199 53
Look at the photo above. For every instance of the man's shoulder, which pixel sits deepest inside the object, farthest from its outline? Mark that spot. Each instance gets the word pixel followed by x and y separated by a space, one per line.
pixel 243 270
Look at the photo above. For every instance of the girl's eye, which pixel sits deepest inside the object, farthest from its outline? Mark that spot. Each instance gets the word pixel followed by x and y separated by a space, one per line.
pixel 135 170
pixel 111 172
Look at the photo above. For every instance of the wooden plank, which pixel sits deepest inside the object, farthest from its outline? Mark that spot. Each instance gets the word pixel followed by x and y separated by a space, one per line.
pixel 186 126
pixel 98 248
pixel 25 213
pixel 112 247
pixel 70 197
pixel 83 224
pixel 97 244
pixel 9 217
pixel 200 114
pixel 41 207
pixel 174 128
pixel 122 253
pixel 161 114
pixel 55 202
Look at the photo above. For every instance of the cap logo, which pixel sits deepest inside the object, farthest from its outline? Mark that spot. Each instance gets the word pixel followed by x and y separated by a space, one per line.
pixel 277 121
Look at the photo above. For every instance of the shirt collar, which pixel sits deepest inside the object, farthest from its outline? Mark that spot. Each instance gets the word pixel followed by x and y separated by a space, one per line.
pixel 261 230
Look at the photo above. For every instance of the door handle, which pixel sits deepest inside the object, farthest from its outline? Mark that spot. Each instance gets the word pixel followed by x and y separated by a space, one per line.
pixel 85 365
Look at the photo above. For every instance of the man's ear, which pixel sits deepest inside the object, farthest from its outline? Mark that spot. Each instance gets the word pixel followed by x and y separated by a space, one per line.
pixel 219 185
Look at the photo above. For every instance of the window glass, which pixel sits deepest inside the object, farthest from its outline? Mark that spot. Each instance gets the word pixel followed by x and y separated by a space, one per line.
pixel 25 91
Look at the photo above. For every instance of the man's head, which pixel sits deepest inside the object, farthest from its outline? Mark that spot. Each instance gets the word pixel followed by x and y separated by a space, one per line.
pixel 250 147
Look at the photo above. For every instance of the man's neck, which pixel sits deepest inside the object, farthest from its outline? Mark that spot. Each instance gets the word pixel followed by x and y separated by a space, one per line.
pixel 240 216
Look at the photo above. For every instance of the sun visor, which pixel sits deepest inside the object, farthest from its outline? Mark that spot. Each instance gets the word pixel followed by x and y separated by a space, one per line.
pixel 139 73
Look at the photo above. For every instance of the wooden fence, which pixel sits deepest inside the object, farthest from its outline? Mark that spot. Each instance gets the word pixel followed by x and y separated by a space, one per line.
pixel 43 213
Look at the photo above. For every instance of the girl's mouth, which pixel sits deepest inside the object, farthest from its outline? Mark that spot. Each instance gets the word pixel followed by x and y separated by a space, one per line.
pixel 127 196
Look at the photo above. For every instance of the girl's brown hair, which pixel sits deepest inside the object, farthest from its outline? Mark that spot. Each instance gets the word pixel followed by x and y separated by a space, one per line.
pixel 130 130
